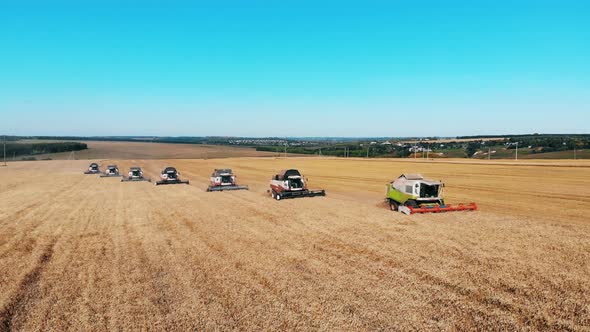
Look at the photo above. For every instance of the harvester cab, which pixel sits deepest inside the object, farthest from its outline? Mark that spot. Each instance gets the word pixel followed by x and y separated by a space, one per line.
pixel 412 193
pixel 135 174
pixel 93 169
pixel 291 184
pixel 224 179
pixel 170 176
pixel 111 171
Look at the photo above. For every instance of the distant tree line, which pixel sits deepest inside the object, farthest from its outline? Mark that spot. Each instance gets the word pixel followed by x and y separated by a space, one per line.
pixel 28 149
pixel 551 143
pixel 523 135
pixel 342 150
pixel 9 138
pixel 183 140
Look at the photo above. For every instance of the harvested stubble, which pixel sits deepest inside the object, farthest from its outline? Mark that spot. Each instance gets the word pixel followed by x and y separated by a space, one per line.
pixel 78 252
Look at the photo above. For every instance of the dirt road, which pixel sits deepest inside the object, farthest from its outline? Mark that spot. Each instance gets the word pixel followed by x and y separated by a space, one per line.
pixel 78 252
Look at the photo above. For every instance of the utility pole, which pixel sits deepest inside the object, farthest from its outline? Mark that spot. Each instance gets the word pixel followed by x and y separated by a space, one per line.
pixel 368 147
pixel 285 150
pixel 4 150
pixel 516 150
pixel 489 153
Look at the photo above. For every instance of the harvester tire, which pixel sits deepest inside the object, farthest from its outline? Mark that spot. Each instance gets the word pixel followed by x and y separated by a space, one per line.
pixel 278 197
pixel 393 205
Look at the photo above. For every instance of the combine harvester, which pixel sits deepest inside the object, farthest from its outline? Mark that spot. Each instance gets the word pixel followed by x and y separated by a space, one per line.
pixel 170 176
pixel 411 193
pixel 93 169
pixel 291 184
pixel 224 179
pixel 135 175
pixel 111 171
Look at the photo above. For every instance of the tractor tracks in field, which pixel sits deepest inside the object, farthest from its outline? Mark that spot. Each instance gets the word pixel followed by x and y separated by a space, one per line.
pixel 485 303
pixel 41 211
pixel 548 196
pixel 213 256
pixel 26 288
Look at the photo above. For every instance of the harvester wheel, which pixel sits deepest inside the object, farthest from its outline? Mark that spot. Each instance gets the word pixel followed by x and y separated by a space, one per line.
pixel 273 194
pixel 278 197
pixel 393 205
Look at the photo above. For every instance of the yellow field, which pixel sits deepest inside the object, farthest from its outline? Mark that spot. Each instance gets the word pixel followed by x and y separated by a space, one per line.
pixel 78 252
pixel 143 150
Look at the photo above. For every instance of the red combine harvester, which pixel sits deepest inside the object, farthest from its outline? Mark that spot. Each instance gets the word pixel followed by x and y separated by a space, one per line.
pixel 135 175
pixel 224 179
pixel 291 184
pixel 93 169
pixel 170 176
pixel 111 171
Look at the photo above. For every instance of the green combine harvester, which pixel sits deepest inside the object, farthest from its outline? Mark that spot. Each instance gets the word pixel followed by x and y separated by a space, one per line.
pixel 411 193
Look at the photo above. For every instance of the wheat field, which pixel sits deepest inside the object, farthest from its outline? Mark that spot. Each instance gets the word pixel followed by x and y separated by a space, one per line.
pixel 144 150
pixel 79 252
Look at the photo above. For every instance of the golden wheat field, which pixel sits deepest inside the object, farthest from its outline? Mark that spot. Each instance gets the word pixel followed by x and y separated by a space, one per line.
pixel 79 252
pixel 143 150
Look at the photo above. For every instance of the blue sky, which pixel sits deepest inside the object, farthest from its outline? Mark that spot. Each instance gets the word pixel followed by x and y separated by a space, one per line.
pixel 294 68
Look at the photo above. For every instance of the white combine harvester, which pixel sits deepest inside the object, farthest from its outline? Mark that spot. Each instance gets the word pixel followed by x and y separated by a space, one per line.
pixel 111 171
pixel 170 176
pixel 224 179
pixel 291 184
pixel 135 175
pixel 93 169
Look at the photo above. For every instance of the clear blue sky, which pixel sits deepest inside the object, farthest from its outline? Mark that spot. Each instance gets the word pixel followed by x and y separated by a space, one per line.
pixel 294 68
